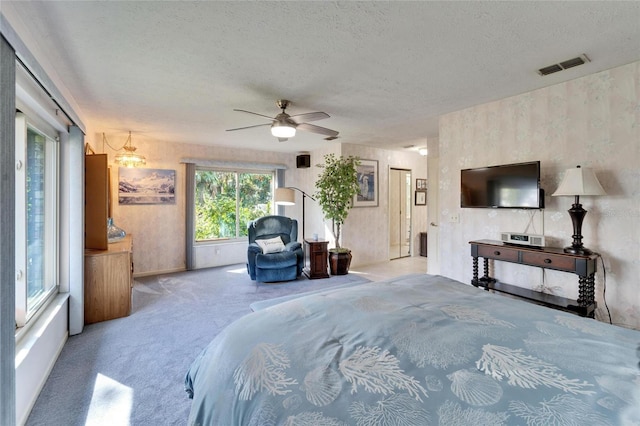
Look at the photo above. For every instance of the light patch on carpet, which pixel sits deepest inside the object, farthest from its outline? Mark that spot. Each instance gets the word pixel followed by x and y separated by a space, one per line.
pixel 138 286
pixel 111 403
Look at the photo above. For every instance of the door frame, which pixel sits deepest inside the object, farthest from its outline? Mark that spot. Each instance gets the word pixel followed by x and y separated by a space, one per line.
pixel 409 203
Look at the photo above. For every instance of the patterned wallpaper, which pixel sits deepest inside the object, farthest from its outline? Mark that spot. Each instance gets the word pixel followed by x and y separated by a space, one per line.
pixel 593 122
pixel 366 229
pixel 159 230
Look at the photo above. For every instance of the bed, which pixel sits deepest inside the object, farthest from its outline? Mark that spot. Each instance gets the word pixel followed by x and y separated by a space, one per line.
pixel 415 350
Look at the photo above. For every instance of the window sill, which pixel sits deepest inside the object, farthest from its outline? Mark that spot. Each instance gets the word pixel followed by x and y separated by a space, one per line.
pixel 220 241
pixel 40 321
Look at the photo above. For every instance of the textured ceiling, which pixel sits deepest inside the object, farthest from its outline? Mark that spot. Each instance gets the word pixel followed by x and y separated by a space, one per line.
pixel 383 71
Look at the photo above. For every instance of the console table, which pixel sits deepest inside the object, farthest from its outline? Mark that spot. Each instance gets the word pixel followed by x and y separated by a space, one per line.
pixel 316 258
pixel 550 258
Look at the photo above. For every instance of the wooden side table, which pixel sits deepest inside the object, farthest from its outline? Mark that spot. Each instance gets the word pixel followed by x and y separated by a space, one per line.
pixel 316 259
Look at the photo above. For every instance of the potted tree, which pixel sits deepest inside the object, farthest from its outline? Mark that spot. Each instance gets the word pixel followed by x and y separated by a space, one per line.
pixel 336 186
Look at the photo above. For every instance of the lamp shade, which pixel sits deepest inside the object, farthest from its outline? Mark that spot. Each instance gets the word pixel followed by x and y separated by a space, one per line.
pixel 282 130
pixel 579 181
pixel 285 196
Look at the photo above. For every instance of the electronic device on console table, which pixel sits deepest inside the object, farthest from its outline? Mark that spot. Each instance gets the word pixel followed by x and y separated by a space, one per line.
pixel 531 240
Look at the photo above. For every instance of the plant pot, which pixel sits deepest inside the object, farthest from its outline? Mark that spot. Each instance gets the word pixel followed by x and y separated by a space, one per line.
pixel 339 262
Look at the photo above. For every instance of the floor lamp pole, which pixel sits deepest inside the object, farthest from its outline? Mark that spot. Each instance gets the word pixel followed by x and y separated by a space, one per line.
pixel 304 195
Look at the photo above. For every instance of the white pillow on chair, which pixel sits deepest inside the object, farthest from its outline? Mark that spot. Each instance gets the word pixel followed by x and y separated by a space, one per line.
pixel 271 245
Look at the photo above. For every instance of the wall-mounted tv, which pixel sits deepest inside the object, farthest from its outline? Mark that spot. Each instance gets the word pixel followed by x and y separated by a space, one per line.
pixel 508 186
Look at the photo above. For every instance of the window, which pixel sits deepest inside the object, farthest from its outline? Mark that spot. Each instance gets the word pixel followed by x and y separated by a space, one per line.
pixel 36 219
pixel 225 201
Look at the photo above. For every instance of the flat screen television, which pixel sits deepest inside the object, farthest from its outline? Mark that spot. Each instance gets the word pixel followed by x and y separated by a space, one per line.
pixel 508 186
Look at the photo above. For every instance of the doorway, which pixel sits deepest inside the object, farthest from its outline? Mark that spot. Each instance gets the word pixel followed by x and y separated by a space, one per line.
pixel 399 213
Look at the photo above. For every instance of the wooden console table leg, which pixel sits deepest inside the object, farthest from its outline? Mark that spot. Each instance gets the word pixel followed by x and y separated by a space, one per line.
pixel 581 284
pixel 587 295
pixel 474 281
pixel 486 270
pixel 586 291
pixel 591 282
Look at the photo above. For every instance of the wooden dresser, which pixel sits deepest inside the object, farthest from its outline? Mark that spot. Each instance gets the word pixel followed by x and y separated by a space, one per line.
pixel 108 278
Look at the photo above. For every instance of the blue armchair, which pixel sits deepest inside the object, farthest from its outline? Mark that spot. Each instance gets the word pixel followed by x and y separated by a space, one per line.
pixel 283 265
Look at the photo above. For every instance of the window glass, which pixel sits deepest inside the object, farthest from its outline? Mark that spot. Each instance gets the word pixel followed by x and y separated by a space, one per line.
pixel 227 201
pixel 36 219
pixel 36 208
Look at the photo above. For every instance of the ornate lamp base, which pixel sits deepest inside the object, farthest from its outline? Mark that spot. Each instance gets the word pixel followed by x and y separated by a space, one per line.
pixel 577 214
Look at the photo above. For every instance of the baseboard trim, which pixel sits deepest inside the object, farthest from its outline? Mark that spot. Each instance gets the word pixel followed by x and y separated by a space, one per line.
pixel 164 271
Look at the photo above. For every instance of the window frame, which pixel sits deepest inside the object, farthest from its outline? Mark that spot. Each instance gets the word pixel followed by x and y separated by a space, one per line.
pixel 237 171
pixel 27 310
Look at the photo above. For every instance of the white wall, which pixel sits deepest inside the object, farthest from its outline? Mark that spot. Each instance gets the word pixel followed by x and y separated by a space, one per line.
pixel 37 352
pixel 591 121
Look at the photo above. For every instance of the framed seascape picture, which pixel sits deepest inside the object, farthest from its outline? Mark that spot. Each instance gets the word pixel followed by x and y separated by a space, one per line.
pixel 368 181
pixel 146 186
pixel 421 184
pixel 421 198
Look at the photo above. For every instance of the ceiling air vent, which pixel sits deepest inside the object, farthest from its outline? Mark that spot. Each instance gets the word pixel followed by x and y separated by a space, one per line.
pixel 580 60
pixel 550 69
pixel 569 63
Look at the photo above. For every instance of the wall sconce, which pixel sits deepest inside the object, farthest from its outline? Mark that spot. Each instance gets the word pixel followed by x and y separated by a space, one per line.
pixel 423 151
pixel 128 158
pixel 577 182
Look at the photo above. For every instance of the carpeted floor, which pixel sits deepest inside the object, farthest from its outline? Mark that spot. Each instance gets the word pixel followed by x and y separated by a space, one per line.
pixel 130 371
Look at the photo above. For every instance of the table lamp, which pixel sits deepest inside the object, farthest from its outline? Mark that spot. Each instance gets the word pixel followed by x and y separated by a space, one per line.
pixel 576 182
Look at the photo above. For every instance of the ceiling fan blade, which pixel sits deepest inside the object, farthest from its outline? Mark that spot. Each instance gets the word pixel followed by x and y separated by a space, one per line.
pixel 316 129
pixel 309 116
pixel 254 113
pixel 248 127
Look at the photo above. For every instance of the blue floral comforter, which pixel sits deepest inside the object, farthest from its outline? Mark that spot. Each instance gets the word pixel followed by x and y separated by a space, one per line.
pixel 416 350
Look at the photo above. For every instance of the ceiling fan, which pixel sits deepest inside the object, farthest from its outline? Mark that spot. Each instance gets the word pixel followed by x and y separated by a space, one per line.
pixel 284 126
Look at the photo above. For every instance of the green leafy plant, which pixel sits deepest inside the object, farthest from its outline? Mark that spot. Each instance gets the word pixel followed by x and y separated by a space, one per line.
pixel 335 188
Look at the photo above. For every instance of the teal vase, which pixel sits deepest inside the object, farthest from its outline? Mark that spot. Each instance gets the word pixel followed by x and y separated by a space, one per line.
pixel 114 233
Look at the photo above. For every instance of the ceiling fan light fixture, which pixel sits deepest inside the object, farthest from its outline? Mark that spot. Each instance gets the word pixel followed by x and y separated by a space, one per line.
pixel 282 130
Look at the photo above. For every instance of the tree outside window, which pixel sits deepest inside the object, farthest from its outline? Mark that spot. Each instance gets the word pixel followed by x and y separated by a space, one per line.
pixel 227 201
